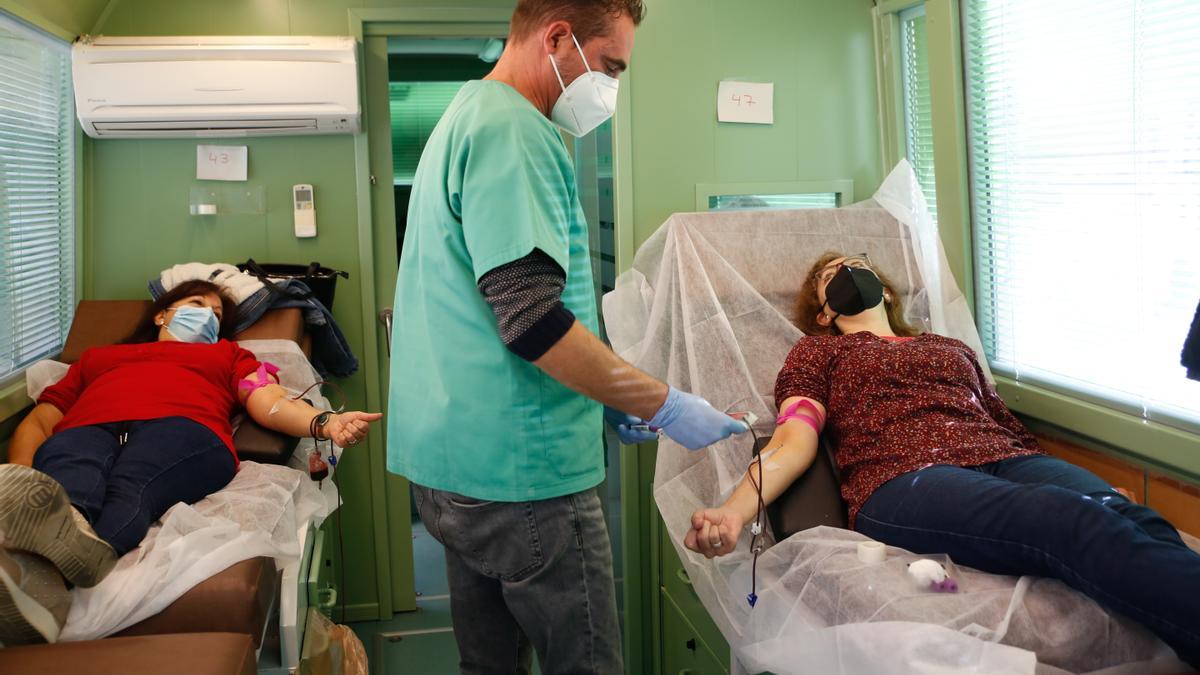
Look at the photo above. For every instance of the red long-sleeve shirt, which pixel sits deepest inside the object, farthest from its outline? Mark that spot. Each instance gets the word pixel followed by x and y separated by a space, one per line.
pixel 895 406
pixel 121 383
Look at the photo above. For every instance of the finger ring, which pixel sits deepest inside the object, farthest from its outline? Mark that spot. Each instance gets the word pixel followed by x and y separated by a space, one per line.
pixel 353 441
pixel 717 544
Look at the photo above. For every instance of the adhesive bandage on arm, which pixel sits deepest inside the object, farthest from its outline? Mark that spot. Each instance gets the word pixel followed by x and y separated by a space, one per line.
pixel 266 376
pixel 765 458
pixel 810 415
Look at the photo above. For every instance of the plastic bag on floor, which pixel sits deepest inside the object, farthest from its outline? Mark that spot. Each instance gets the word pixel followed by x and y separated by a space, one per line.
pixel 331 649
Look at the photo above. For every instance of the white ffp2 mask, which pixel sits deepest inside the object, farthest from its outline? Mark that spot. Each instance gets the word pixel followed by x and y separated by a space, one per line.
pixel 587 103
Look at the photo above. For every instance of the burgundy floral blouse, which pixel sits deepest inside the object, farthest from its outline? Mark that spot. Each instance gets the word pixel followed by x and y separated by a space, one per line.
pixel 898 405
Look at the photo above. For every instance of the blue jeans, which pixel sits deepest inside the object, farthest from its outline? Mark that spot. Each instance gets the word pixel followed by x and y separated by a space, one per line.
pixel 525 573
pixel 1039 515
pixel 122 488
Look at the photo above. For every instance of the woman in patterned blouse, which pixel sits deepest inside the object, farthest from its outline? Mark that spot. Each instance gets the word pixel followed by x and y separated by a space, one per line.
pixel 932 461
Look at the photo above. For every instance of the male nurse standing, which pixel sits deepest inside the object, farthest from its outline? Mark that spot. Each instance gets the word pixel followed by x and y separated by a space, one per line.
pixel 497 375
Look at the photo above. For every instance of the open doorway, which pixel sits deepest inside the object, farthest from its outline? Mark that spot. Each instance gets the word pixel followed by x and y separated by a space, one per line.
pixel 424 75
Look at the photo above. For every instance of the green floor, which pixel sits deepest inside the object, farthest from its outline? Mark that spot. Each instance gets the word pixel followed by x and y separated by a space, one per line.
pixel 420 641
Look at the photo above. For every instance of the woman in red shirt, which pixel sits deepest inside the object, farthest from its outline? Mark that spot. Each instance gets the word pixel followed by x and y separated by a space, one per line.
pixel 932 461
pixel 131 430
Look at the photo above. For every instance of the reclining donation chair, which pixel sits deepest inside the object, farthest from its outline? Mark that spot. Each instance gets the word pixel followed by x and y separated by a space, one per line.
pixel 217 626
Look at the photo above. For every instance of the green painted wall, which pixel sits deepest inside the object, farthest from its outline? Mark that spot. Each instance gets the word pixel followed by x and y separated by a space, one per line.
pixel 251 17
pixel 820 55
pixel 72 17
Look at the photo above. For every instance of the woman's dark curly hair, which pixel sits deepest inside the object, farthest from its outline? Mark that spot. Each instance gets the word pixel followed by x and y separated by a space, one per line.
pixel 147 330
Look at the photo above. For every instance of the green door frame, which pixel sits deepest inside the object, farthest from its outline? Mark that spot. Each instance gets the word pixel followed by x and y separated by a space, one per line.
pixel 638 514
pixel 378 262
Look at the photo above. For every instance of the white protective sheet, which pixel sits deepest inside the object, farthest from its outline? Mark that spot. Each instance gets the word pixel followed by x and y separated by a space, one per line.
pixel 260 513
pixel 707 308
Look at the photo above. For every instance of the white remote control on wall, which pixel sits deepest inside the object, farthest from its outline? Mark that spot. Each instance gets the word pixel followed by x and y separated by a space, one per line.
pixel 305 210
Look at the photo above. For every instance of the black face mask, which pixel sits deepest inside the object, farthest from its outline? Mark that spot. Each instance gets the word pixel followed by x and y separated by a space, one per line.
pixel 853 290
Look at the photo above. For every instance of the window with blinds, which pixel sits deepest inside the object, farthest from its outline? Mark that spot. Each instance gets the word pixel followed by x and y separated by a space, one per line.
pixel 810 200
pixel 1084 141
pixel 416 108
pixel 37 221
pixel 918 115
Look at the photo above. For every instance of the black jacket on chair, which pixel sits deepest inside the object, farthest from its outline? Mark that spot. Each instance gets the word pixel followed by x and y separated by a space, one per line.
pixel 1191 349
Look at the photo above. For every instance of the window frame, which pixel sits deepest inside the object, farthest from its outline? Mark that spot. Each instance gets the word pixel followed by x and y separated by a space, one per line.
pixel 1152 444
pixel 842 187
pixel 949 120
pixel 909 122
pixel 13 395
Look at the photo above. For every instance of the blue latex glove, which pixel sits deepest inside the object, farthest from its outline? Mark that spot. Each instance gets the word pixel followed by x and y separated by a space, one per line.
pixel 692 422
pixel 623 424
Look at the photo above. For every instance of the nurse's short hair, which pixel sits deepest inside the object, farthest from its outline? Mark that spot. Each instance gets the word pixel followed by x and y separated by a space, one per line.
pixel 588 18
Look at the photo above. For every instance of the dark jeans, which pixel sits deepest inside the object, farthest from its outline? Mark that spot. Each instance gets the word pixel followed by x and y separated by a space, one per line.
pixel 535 572
pixel 1042 516
pixel 124 488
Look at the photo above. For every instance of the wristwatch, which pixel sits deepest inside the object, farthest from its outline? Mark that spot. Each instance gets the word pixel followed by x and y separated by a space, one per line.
pixel 318 425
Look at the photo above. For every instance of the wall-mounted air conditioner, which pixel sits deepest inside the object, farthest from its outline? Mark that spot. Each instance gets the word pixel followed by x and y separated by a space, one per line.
pixel 220 86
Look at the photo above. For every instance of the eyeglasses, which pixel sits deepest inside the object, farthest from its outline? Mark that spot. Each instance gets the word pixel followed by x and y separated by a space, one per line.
pixel 858 260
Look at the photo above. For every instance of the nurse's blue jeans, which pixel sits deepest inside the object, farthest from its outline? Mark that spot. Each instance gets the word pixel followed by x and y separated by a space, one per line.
pixel 525 573
pixel 1039 515
pixel 123 488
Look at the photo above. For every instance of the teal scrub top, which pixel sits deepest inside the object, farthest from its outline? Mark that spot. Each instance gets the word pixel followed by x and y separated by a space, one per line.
pixel 464 413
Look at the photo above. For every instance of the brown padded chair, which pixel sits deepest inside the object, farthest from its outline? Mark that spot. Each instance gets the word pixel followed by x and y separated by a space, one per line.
pixel 238 599
pixel 814 499
pixel 194 654
pixel 107 322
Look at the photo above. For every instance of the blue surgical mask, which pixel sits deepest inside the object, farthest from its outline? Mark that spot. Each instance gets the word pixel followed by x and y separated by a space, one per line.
pixel 194 324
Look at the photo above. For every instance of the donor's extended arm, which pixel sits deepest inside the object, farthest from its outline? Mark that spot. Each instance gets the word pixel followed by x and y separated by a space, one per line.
pixel 272 407
pixel 785 458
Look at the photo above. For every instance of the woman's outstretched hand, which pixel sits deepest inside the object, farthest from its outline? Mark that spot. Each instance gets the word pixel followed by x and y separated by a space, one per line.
pixel 714 531
pixel 348 428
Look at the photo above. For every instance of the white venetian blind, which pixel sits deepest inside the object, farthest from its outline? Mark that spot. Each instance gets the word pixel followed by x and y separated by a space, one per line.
pixel 1084 125
pixel 37 222
pixel 918 109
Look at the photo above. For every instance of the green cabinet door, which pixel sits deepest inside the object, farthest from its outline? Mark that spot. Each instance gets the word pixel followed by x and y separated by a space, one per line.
pixel 676 583
pixel 683 652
